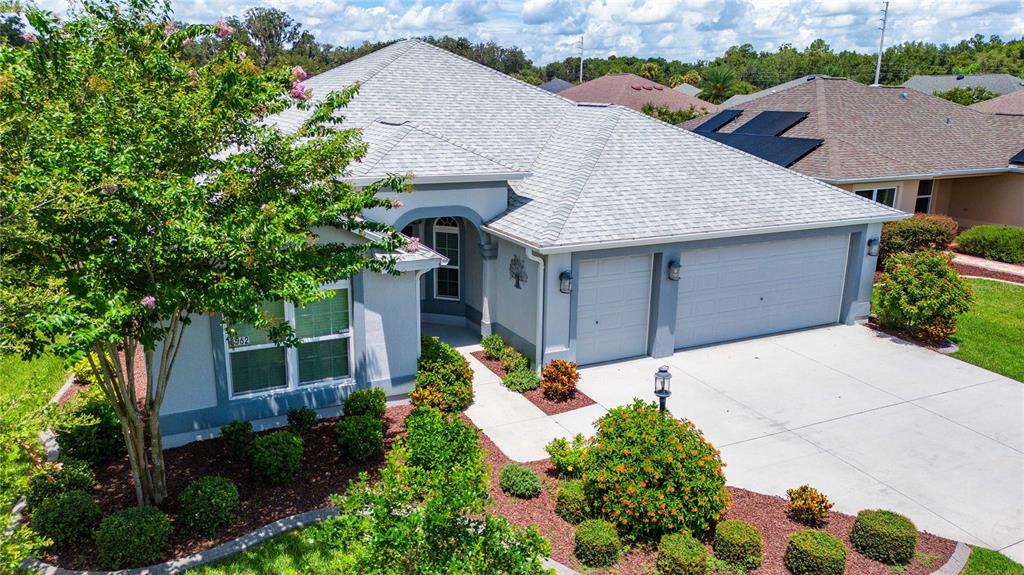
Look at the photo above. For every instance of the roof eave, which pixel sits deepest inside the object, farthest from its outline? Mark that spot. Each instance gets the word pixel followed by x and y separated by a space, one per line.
pixel 1009 169
pixel 363 181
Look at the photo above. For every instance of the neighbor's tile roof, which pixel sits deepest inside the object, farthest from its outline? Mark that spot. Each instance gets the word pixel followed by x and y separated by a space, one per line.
pixel 1012 103
pixel 634 92
pixel 556 85
pixel 596 173
pixel 998 83
pixel 873 132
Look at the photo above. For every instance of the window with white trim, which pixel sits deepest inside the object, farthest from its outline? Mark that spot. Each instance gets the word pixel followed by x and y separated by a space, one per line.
pixel 323 356
pixel 885 196
pixel 446 243
pixel 923 203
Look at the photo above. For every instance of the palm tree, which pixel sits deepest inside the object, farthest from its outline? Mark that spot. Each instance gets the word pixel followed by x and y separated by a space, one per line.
pixel 717 84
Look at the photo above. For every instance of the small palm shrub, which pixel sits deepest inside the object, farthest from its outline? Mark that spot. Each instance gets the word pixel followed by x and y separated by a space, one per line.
pixel 738 543
pixel 1002 243
pixel 133 537
pixel 238 437
pixel 920 233
pixel 301 420
pixel 512 360
pixel 652 474
pixel 208 505
pixel 519 481
pixel 439 441
pixel 559 379
pixel 372 402
pixel 922 294
pixel 681 554
pixel 808 505
pixel 69 517
pixel 276 457
pixel 571 502
pixel 815 553
pixel 521 380
pixel 52 480
pixel 359 437
pixel 88 428
pixel 493 346
pixel 884 536
pixel 597 543
pixel 567 456
pixel 443 377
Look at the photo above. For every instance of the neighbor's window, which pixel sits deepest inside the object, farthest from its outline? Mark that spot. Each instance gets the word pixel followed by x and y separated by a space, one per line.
pixel 885 196
pixel 446 243
pixel 923 204
pixel 256 364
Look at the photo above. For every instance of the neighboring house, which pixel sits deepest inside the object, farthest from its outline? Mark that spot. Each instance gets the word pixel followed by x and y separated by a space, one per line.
pixel 900 147
pixel 634 92
pixel 581 232
pixel 997 83
pixel 1012 103
pixel 688 89
pixel 737 99
pixel 556 85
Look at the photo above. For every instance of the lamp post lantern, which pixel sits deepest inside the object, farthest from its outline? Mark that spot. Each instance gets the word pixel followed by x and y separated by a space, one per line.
pixel 662 385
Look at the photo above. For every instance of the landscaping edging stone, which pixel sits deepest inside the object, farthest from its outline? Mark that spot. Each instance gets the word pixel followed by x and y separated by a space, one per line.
pixel 957 561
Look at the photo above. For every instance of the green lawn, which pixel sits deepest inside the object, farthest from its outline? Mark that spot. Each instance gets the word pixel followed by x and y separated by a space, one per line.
pixel 986 562
pixel 990 334
pixel 290 554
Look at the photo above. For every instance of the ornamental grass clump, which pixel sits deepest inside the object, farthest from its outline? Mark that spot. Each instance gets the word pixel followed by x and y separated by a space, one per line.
pixel 738 543
pixel 681 554
pixel 812 552
pixel 808 505
pixel 443 377
pixel 559 379
pixel 651 474
pixel 922 294
pixel 597 543
pixel 884 536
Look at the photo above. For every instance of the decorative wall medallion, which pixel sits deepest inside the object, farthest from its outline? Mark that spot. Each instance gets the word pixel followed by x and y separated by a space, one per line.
pixel 517 271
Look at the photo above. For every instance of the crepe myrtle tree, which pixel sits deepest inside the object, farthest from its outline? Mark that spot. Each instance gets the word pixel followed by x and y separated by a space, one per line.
pixel 137 191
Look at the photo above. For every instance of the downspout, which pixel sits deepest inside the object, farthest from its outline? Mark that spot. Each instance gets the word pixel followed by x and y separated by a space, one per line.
pixel 538 360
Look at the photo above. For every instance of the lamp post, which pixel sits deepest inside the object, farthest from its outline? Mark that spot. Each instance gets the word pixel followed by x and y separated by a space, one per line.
pixel 662 385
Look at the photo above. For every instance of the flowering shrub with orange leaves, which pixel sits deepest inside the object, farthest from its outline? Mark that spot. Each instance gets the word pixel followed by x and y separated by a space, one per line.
pixel 651 474
pixel 559 378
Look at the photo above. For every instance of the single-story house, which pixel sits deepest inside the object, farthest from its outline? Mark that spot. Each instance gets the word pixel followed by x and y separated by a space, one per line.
pixel 897 146
pixel 1012 103
pixel 996 83
pixel 634 92
pixel 556 85
pixel 584 232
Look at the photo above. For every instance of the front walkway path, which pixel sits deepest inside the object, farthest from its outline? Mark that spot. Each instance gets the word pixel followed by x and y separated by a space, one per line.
pixel 1015 270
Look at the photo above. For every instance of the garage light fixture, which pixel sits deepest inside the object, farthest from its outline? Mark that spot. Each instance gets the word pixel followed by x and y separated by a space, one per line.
pixel 673 271
pixel 662 385
pixel 873 245
pixel 565 282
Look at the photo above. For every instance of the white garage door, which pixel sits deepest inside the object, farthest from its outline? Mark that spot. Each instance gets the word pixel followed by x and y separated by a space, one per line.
pixel 612 308
pixel 758 288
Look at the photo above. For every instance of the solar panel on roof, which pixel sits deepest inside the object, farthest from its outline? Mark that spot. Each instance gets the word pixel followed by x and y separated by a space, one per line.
pixel 1018 159
pixel 770 123
pixel 782 151
pixel 718 120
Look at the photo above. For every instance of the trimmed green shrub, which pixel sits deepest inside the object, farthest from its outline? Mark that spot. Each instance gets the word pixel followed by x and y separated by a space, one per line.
pixel 443 377
pixel 208 505
pixel 133 537
pixel 681 554
pixel 438 441
pixel 653 474
pixel 372 402
pixel 812 552
pixel 68 475
pixel 1002 243
pixel 359 437
pixel 88 428
pixel 808 505
pixel 238 437
pixel 884 536
pixel 521 380
pixel 68 517
pixel 559 379
pixel 512 360
pixel 922 294
pixel 276 457
pixel 597 543
pixel 920 233
pixel 571 502
pixel 301 420
pixel 519 481
pixel 493 346
pixel 738 543
pixel 566 456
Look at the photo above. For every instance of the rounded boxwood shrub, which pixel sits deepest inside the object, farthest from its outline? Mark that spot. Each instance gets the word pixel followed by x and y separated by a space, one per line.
pixel 439 441
pixel 521 380
pixel 812 552
pixel 922 294
pixel 519 481
pixel 358 437
pixel 276 457
pixel 808 505
pixel 681 554
pixel 67 475
pixel 133 537
pixel 920 233
pixel 884 536
pixel 597 543
pixel 567 456
pixel 738 543
pixel 208 505
pixel 69 517
pixel 571 502
pixel 1002 243
pixel 238 437
pixel 301 420
pixel 443 377
pixel 653 474
pixel 493 346
pixel 559 379
pixel 372 402
pixel 88 428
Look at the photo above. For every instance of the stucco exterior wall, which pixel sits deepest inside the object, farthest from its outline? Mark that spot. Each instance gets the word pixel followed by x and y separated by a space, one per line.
pixel 906 191
pixel 514 310
pixel 997 199
pixel 191 385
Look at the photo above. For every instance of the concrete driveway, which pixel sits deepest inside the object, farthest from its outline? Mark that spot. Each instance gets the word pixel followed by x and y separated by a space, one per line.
pixel 871 421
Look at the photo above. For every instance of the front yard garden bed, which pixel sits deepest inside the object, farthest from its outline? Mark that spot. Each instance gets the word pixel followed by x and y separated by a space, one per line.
pixel 978 271
pixel 576 399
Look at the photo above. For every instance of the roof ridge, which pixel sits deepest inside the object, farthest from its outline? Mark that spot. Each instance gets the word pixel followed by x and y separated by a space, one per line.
pixel 372 72
pixel 490 157
pixel 383 151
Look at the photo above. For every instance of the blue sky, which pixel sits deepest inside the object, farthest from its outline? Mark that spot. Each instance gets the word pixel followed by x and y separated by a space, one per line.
pixel 685 29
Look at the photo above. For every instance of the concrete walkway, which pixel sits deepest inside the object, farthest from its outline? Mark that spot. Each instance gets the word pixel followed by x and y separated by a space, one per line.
pixel 871 421
pixel 1016 270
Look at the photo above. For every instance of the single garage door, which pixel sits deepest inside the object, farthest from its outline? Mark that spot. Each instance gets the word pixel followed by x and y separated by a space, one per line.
pixel 612 308
pixel 760 287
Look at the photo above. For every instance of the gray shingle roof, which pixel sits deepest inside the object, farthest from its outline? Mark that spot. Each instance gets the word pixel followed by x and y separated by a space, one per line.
pixel 555 85
pixel 688 89
pixel 732 101
pixel 597 174
pixel 998 83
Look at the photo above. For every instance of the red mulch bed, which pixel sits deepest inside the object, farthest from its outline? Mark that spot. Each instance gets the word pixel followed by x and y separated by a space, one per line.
pixel 969 270
pixel 577 400
pixel 322 474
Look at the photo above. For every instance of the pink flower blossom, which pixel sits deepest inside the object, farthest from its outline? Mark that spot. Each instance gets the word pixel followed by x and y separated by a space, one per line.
pixel 169 27
pixel 241 56
pixel 223 29
pixel 186 42
pixel 299 74
pixel 396 203
pixel 149 301
pixel 299 91
pixel 413 246
pixel 28 37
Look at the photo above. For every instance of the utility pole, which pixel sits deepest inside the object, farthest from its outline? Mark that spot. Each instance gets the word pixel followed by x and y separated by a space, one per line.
pixel 581 58
pixel 881 42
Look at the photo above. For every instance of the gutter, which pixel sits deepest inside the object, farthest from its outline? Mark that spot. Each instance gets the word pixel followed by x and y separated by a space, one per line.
pixel 927 176
pixel 363 181
pixel 538 360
